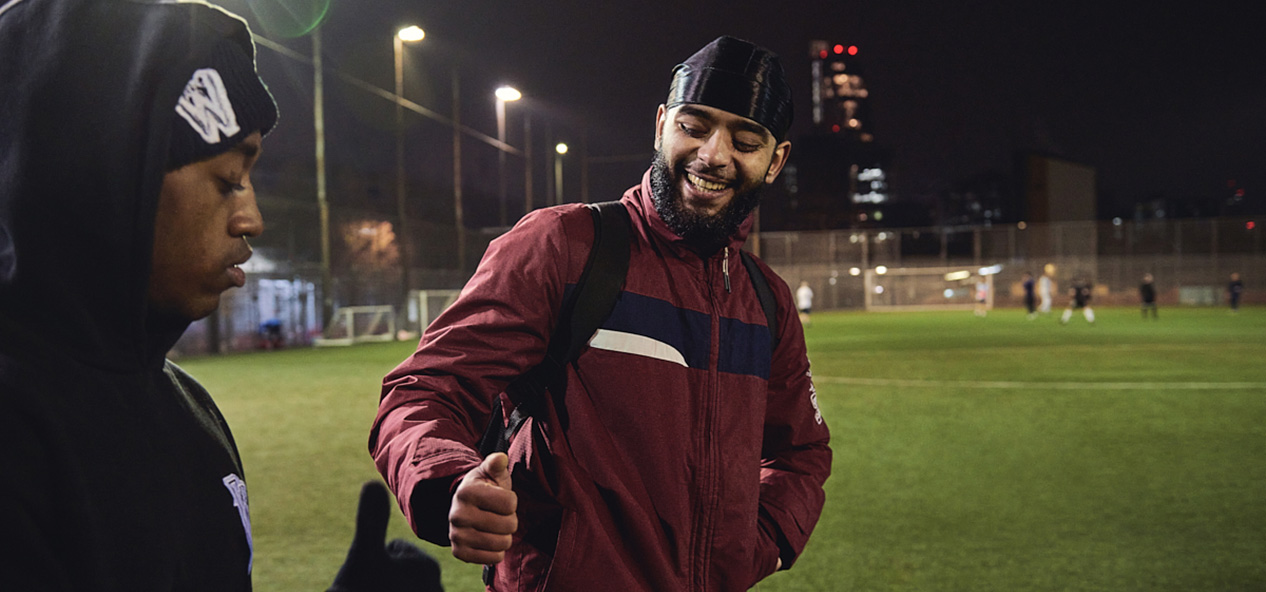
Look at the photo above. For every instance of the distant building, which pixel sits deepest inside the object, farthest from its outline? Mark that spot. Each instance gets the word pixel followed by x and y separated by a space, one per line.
pixel 979 200
pixel 1040 189
pixel 837 176
pixel 1057 190
pixel 840 98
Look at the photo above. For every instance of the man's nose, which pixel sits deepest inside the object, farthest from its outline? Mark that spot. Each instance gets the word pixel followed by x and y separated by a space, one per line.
pixel 247 220
pixel 716 150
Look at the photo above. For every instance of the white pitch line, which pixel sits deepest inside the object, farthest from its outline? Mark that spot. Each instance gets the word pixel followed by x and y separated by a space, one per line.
pixel 1011 384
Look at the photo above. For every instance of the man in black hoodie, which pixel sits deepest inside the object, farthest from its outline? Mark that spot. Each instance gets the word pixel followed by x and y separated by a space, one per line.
pixel 128 131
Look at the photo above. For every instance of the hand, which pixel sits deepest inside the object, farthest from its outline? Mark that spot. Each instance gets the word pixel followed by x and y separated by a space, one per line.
pixel 371 567
pixel 482 519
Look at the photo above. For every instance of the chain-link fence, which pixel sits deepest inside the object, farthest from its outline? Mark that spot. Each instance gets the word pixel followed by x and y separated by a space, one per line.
pixel 1191 260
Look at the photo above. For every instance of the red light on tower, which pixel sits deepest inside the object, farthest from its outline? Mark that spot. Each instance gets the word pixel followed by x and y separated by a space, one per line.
pixel 835 128
pixel 822 54
pixel 839 49
pixel 1250 225
pixel 852 50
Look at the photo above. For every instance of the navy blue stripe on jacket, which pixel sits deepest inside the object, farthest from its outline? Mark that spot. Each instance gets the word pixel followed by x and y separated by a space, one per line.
pixel 744 347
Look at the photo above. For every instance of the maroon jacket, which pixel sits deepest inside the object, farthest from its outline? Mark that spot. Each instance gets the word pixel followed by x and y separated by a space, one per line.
pixel 687 456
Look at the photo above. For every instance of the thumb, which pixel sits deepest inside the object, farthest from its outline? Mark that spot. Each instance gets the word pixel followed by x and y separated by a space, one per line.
pixel 371 519
pixel 496 468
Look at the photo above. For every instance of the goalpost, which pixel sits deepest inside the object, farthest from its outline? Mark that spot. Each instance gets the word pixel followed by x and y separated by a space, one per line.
pixel 359 324
pixel 927 288
pixel 425 305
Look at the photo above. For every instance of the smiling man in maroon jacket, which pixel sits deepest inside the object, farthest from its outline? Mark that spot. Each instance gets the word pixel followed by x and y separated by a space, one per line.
pixel 693 454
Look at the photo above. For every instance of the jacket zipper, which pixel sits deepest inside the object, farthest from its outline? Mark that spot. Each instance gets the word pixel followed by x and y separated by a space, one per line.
pixel 707 501
pixel 725 269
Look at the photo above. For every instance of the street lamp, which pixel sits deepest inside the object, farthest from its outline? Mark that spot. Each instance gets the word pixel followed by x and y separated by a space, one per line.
pixel 504 94
pixel 559 150
pixel 411 34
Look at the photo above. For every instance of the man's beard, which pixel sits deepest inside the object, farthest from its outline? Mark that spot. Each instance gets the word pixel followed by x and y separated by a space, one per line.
pixel 705 233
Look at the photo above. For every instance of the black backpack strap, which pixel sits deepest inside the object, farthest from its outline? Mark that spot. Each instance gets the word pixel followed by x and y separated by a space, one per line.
pixel 582 312
pixel 767 301
pixel 600 284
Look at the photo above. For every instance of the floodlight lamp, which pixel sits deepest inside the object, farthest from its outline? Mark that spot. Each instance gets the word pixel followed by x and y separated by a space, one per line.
pixel 881 270
pixel 561 148
pixel 411 34
pixel 508 93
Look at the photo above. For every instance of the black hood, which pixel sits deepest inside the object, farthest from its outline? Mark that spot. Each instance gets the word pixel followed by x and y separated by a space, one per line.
pixel 87 92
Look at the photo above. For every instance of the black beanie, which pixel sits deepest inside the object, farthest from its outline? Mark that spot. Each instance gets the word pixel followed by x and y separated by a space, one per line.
pixel 736 76
pixel 223 102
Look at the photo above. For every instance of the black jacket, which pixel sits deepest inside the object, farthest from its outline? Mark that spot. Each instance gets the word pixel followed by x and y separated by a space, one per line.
pixel 118 471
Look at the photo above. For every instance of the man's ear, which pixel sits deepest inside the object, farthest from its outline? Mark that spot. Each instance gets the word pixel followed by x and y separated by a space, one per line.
pixel 660 114
pixel 778 161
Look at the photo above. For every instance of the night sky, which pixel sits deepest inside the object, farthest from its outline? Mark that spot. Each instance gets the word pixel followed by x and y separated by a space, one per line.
pixel 1164 99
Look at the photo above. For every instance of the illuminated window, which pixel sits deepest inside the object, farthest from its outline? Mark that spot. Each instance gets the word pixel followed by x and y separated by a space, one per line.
pixel 870 174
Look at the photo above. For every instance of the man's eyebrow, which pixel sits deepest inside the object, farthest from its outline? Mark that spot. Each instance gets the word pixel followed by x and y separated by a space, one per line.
pixel 742 124
pixel 753 127
pixel 247 149
pixel 694 112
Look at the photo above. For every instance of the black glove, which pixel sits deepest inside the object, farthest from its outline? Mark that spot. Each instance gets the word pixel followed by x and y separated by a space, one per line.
pixel 371 567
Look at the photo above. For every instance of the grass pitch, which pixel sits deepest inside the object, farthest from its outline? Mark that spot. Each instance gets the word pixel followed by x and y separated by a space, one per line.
pixel 970 454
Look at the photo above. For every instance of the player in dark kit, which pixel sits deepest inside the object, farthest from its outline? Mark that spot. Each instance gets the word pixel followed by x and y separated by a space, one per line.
pixel 1080 299
pixel 1030 299
pixel 1147 296
pixel 1234 290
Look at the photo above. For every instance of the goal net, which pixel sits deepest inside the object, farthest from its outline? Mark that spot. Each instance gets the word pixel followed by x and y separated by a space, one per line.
pixel 358 324
pixel 928 288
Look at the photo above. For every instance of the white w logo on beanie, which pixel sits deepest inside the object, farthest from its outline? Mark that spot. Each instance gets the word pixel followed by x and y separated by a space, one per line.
pixel 205 105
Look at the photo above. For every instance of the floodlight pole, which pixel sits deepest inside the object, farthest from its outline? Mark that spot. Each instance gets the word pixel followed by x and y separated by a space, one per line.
pixel 402 212
pixel 504 95
pixel 458 216
pixel 501 159
pixel 527 163
pixel 323 205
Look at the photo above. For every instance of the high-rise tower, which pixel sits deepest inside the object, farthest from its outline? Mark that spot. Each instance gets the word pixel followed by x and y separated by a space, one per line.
pixel 839 91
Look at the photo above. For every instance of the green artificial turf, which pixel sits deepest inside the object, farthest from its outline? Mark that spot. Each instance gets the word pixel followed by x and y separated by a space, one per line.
pixel 970 454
